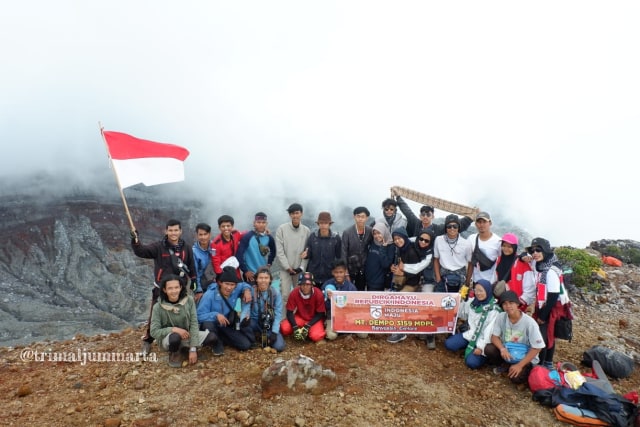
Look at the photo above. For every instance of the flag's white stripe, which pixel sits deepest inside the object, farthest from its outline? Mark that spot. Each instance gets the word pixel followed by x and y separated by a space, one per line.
pixel 149 171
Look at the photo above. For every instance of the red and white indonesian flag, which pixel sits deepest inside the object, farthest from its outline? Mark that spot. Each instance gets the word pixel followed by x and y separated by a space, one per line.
pixel 139 161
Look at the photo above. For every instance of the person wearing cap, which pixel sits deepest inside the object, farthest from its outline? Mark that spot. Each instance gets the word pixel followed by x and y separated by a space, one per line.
pixel 485 249
pixel 552 297
pixel 391 218
pixel 225 245
pixel 513 274
pixel 217 313
pixel 480 312
pixel 291 239
pixel 514 326
pixel 305 311
pixel 452 257
pixel 323 248
pixel 355 247
pixel 257 248
pixel 425 221
pixel 174 322
pixel 341 283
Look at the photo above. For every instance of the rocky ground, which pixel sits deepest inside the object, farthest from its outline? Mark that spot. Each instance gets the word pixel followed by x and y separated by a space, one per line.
pixel 379 384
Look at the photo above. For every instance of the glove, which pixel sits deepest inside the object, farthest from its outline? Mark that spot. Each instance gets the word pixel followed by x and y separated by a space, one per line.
pixel 464 292
pixel 134 236
pixel 305 332
pixel 298 335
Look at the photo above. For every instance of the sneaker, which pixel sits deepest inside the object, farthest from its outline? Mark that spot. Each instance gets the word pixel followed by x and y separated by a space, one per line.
pixel 218 348
pixel 146 347
pixel 431 342
pixel 396 338
pixel 175 359
pixel 548 365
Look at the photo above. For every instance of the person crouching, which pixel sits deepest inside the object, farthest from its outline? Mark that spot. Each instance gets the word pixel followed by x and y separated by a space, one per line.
pixel 174 323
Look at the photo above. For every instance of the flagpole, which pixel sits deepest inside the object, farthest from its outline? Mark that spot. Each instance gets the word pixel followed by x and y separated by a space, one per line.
pixel 124 200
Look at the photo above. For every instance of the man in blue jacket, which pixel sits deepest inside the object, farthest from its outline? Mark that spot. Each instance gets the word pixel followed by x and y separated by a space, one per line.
pixel 216 313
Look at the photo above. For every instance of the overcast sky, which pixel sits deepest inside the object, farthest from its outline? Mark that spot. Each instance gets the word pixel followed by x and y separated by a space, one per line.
pixel 528 110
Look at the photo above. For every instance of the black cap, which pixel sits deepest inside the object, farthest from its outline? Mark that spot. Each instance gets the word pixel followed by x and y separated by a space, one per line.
pixel 509 296
pixel 229 274
pixel 543 243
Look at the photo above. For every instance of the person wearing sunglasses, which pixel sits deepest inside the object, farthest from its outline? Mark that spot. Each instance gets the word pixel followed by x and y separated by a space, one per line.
pixel 552 298
pixel 391 218
pixel 452 257
pixel 406 269
pixel 416 224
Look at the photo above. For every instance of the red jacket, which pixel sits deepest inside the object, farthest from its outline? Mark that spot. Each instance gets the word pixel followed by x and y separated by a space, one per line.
pixel 224 250
pixel 520 270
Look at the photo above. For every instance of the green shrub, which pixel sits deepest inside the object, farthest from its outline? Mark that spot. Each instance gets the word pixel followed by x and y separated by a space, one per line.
pixel 614 251
pixel 634 256
pixel 582 263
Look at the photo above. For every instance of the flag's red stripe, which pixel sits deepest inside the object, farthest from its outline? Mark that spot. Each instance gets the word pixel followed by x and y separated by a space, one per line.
pixel 123 147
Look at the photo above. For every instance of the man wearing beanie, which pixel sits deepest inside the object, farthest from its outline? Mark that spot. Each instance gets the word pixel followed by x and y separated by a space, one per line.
pixel 216 313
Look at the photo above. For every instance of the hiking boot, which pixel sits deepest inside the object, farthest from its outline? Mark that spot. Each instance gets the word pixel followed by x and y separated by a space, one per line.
pixel 217 348
pixel 499 370
pixel 431 342
pixel 175 359
pixel 146 348
pixel 396 338
pixel 547 364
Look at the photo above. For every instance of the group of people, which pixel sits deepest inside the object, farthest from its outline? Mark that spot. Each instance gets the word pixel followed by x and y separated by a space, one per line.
pixel 221 291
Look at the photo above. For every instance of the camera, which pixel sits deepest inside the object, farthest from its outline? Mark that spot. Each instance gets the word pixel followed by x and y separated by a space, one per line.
pixel 266 320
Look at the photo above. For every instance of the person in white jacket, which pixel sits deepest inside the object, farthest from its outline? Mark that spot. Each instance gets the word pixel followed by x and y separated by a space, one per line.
pixel 480 313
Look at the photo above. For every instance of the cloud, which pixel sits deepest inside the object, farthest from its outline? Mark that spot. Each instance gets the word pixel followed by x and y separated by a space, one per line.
pixel 525 111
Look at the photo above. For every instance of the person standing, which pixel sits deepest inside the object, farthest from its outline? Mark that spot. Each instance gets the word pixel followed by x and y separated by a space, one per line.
pixel 257 248
pixel 323 248
pixel 379 259
pixel 407 270
pixel 202 253
pixel 225 245
pixel 415 224
pixel 514 274
pixel 451 258
pixel 485 249
pixel 171 255
pixel 552 297
pixel 355 247
pixel 391 218
pixel 291 238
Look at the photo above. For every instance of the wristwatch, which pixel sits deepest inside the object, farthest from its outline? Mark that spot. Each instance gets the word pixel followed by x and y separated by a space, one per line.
pixel 192 349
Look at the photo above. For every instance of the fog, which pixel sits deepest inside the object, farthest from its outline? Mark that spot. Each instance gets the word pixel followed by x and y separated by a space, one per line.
pixel 529 111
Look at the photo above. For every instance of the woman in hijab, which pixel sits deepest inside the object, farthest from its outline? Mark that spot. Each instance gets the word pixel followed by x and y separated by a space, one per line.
pixel 552 298
pixel 405 276
pixel 513 274
pixel 379 259
pixel 480 312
